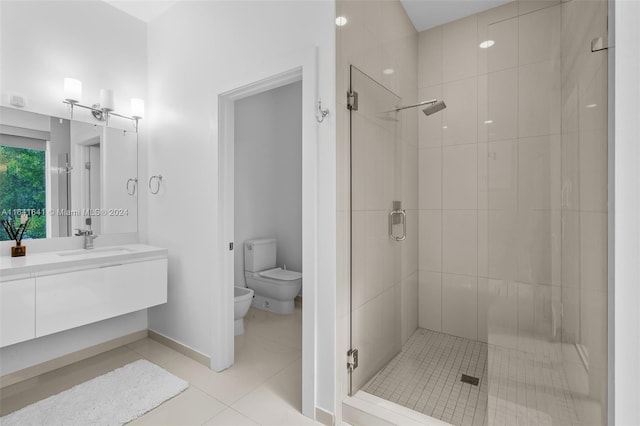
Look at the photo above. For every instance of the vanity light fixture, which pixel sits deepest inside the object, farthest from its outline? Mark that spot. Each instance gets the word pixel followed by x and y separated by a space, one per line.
pixel 103 110
pixel 340 21
pixel 487 44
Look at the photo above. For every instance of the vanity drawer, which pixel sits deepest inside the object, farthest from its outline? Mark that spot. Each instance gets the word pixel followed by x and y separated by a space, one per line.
pixel 17 311
pixel 73 299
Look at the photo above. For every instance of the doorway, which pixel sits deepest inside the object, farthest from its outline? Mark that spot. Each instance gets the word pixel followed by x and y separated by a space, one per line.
pixel 223 350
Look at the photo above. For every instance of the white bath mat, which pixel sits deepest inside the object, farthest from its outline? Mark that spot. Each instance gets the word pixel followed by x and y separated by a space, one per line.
pixel 114 398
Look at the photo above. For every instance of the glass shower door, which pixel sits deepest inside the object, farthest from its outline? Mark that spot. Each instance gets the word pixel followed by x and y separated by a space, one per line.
pixel 542 288
pixel 378 227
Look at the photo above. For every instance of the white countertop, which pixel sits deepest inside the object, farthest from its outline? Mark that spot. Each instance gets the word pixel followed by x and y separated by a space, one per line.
pixel 17 267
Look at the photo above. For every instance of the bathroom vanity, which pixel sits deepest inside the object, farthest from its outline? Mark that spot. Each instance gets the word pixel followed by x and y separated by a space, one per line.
pixel 45 293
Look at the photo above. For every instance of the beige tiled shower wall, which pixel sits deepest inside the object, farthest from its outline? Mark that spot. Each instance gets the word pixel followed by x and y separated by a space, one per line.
pixel 456 263
pixel 378 36
pixel 513 187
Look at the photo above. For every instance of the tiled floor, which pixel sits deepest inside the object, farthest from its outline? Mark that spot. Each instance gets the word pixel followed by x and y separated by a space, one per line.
pixel 515 388
pixel 425 377
pixel 262 388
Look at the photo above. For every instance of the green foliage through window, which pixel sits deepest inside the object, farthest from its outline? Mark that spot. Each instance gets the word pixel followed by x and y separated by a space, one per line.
pixel 23 187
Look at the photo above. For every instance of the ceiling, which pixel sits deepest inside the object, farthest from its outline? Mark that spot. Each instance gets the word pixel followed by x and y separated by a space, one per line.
pixel 145 10
pixel 424 14
pixel 427 14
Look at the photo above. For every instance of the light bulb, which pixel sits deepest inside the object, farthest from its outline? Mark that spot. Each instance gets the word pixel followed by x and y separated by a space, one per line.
pixel 137 108
pixel 107 100
pixel 72 90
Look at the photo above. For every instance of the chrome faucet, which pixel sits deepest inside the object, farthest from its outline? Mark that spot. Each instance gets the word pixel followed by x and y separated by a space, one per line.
pixel 88 237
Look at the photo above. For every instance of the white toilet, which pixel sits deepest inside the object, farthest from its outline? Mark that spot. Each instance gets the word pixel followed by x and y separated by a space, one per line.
pixel 242 298
pixel 275 288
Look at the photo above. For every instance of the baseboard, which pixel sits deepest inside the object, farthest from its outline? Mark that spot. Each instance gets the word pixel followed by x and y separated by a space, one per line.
pixel 324 417
pixel 180 347
pixel 63 361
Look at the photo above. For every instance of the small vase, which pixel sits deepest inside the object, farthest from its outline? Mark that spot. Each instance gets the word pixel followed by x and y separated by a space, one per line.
pixel 18 250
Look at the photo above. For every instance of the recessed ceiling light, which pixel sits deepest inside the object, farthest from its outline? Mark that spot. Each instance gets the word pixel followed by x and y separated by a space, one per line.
pixel 488 121
pixel 388 71
pixel 445 127
pixel 487 44
pixel 592 105
pixel 341 20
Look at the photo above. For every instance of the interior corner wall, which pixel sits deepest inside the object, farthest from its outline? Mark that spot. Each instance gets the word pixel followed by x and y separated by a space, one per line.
pixel 268 174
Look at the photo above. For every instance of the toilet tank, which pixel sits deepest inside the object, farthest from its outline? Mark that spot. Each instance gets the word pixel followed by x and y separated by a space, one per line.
pixel 259 255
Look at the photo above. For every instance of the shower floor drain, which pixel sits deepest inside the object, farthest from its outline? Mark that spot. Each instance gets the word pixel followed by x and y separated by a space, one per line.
pixel 470 379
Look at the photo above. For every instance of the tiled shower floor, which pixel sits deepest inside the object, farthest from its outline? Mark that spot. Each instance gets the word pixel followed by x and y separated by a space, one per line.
pixel 425 377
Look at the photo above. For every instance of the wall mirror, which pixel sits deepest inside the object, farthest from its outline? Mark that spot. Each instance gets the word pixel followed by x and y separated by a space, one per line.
pixel 67 175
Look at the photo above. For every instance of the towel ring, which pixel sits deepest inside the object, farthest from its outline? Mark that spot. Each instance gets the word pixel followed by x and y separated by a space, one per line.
pixel 131 189
pixel 151 179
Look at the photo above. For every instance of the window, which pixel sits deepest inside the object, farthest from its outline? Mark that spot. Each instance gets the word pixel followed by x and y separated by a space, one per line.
pixel 23 187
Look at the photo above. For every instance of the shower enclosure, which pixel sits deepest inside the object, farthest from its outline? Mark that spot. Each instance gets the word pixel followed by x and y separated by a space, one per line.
pixel 478 277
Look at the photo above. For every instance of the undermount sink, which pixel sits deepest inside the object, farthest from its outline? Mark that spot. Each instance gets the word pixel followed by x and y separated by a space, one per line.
pixel 97 252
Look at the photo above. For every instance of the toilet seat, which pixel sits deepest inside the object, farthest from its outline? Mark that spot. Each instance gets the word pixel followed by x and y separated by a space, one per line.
pixel 281 274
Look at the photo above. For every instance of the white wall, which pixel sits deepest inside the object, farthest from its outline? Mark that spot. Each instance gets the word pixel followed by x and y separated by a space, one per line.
pixel 45 41
pixel 41 43
pixel 198 50
pixel 268 174
pixel 627 211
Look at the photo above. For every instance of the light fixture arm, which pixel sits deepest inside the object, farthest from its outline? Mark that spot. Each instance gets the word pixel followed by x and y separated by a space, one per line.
pixel 133 119
pixel 99 113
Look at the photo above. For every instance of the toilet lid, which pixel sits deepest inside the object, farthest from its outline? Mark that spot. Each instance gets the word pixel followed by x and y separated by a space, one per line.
pixel 281 274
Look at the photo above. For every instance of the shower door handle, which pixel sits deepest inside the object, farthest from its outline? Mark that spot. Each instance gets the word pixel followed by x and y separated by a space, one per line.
pixel 397 217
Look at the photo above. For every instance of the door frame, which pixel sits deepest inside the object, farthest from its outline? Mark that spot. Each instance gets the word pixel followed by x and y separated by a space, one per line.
pixel 299 66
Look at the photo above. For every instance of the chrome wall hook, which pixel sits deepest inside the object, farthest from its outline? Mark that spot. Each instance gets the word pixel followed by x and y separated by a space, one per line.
pixel 158 179
pixel 321 113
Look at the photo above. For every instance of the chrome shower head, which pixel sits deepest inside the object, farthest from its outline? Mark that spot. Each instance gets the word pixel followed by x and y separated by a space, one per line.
pixel 434 107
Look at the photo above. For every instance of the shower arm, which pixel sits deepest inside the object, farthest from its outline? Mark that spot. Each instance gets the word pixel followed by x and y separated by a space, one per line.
pixel 431 102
